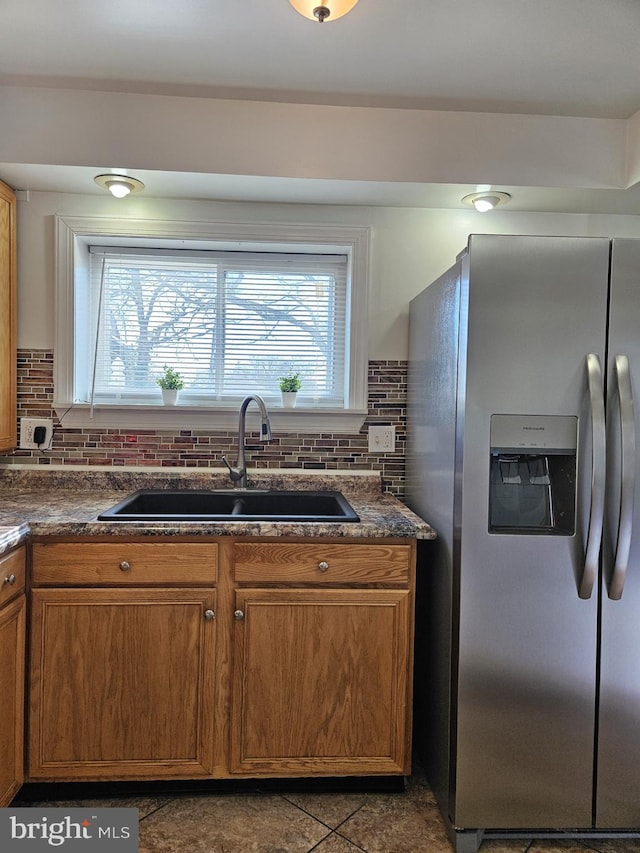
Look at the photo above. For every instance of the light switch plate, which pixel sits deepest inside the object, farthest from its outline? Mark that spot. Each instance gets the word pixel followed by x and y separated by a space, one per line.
pixel 382 439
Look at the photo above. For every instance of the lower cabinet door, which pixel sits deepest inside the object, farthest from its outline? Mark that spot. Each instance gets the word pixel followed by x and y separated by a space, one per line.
pixel 321 682
pixel 121 683
pixel 12 640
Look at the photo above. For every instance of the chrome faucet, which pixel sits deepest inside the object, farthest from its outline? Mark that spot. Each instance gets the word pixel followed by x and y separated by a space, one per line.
pixel 238 474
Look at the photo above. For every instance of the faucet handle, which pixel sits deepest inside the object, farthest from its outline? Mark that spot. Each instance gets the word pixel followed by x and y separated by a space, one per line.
pixel 235 474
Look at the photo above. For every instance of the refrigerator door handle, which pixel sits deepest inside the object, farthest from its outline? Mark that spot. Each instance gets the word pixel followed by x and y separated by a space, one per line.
pixel 598 475
pixel 627 477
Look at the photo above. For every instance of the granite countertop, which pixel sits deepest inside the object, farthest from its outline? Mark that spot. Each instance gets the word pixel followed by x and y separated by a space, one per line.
pixel 66 502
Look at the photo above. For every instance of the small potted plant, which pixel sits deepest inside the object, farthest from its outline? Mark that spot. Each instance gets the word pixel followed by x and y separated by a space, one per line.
pixel 170 382
pixel 289 384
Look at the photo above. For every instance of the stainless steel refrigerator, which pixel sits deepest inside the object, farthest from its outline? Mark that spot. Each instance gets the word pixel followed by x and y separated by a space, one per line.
pixel 524 361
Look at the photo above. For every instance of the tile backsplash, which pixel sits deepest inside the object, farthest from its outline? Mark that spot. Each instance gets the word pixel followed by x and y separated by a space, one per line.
pixel 197 448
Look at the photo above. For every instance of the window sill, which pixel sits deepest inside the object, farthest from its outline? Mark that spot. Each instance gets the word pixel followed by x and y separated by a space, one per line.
pixel 161 418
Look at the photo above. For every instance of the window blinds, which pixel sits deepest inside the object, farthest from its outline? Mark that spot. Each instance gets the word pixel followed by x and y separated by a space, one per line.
pixel 229 322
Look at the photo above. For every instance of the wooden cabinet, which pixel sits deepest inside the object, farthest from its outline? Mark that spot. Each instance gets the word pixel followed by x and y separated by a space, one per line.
pixel 12 653
pixel 124 563
pixel 309 674
pixel 328 563
pixel 321 681
pixel 122 680
pixel 8 393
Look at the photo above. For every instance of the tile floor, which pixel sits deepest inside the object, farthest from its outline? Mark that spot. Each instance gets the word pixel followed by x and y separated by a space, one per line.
pixel 407 822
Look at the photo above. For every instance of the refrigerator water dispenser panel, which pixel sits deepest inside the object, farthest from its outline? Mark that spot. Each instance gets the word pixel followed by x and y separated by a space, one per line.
pixel 532 482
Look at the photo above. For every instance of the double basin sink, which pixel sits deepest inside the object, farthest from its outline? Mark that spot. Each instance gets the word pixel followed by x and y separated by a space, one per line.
pixel 233 505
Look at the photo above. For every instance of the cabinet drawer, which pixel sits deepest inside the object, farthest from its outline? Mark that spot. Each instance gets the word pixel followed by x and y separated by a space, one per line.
pixel 12 574
pixel 123 563
pixel 317 563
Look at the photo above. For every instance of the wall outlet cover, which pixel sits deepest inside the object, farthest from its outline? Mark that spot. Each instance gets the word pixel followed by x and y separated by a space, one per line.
pixel 382 439
pixel 36 433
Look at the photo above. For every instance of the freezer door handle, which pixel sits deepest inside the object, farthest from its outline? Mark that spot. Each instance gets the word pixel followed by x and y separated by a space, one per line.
pixel 627 476
pixel 598 475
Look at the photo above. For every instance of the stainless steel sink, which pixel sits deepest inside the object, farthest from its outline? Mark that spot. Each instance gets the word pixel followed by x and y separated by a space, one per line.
pixel 232 505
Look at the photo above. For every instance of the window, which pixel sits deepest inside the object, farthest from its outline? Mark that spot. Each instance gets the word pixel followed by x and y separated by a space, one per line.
pixel 230 315
pixel 227 322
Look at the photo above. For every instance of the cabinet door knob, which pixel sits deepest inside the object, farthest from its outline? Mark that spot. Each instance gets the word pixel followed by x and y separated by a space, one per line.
pixel 10 580
pixel 323 566
pixel 209 615
pixel 125 566
pixel 238 614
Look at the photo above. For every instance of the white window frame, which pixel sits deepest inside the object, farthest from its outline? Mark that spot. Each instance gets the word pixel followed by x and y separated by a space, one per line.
pixel 73 235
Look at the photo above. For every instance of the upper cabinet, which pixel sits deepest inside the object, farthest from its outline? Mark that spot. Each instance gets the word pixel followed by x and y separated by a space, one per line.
pixel 8 413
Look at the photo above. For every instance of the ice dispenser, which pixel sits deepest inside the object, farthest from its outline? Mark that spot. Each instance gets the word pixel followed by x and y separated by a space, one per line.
pixel 532 483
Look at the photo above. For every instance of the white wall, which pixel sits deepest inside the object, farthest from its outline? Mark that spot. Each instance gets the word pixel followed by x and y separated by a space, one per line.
pixel 409 248
pixel 185 134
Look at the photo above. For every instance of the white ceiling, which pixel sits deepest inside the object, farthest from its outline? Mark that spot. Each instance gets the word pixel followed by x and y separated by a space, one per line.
pixel 544 57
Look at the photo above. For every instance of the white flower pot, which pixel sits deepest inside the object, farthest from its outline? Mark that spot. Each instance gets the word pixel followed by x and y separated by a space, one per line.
pixel 169 396
pixel 289 399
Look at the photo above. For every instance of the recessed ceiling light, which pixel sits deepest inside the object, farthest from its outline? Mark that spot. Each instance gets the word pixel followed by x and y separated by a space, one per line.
pixel 486 200
pixel 119 185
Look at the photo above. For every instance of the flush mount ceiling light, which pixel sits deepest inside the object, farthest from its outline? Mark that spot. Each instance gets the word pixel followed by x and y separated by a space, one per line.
pixel 119 185
pixel 330 10
pixel 487 200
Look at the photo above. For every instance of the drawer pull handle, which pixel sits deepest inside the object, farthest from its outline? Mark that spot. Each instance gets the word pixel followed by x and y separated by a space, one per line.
pixel 323 566
pixel 125 566
pixel 10 580
pixel 238 615
pixel 209 615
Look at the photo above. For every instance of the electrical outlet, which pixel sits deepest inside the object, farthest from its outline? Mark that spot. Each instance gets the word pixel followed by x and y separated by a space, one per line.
pixel 28 433
pixel 382 439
